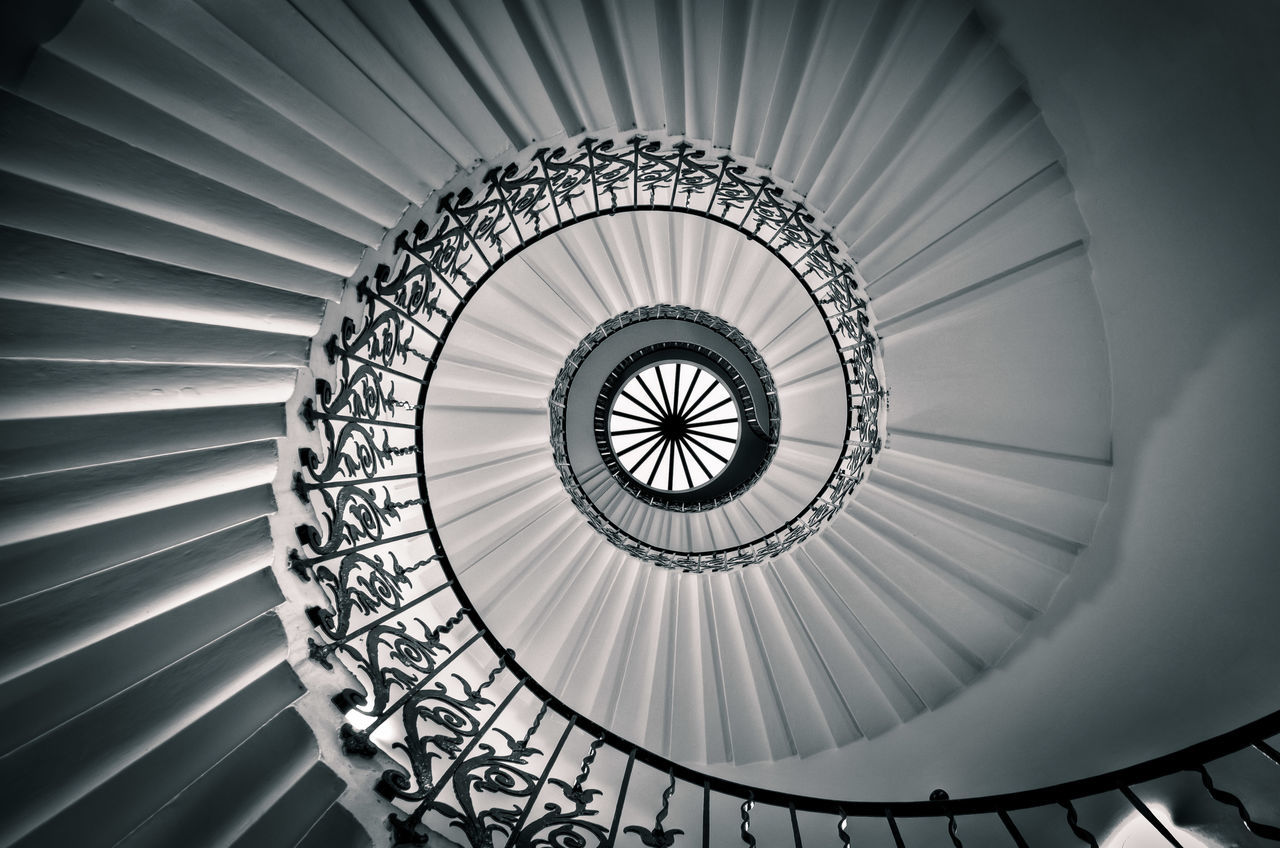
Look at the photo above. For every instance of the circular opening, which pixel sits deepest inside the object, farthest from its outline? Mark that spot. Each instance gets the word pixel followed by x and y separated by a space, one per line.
pixel 674 426
pixel 669 404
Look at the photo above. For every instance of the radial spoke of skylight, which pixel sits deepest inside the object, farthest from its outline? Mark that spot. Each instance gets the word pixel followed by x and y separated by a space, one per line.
pixel 688 392
pixel 664 429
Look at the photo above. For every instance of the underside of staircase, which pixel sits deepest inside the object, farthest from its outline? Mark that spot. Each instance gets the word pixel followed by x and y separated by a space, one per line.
pixel 190 192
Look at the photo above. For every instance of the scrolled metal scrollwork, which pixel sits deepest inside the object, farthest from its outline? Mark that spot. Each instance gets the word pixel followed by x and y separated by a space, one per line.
pixel 489 774
pixel 363 584
pixel 375 561
pixel 390 658
pixel 748 838
pixel 351 516
pixel 455 719
pixel 412 301
pixel 361 395
pixel 1073 821
pixel 354 451
pixel 567 827
pixel 659 836
pixel 1257 828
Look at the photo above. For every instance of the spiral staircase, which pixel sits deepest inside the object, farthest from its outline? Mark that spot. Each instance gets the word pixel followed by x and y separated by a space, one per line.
pixel 992 549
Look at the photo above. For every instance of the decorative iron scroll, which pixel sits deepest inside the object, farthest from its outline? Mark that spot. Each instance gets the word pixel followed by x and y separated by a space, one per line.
pixel 410 306
pixel 439 265
pixel 437 699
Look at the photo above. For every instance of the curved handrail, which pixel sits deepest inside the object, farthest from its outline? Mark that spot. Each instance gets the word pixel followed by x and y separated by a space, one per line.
pixel 376 602
pixel 1186 758
pixel 529 202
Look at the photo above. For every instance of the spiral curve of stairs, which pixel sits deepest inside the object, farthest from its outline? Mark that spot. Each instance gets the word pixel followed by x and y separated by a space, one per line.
pixel 187 187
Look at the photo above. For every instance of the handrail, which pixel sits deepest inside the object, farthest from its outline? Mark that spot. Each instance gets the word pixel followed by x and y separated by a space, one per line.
pixel 718 189
pixel 1162 766
pixel 377 602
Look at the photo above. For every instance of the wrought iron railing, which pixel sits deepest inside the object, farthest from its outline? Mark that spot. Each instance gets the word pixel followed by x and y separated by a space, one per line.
pixel 478 749
pixel 409 310
pixel 494 759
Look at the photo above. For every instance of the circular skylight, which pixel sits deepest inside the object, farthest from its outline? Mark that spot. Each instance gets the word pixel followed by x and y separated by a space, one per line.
pixel 674 426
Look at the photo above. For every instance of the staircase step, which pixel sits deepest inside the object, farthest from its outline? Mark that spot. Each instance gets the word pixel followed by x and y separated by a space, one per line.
pixel 1014 554
pixel 868 686
pixel 849 42
pixel 499 519
pixel 967 619
pixel 345 28
pixel 69 90
pixel 212 804
pixel 63 687
pixel 626 653
pixel 195 31
pixel 63 620
pixel 40 564
pixel 306 58
pixel 1041 344
pixel 1059 518
pixel 337 828
pixel 690 708
pixel 40 269
pixel 43 146
pixel 293 808
pixel 898 58
pixel 906 107
pixel 404 38
pixel 929 669
pixel 757 725
pixel 783 658
pixel 486 50
pixel 41 445
pixel 971 250
pixel 976 104
pixel 51 211
pixel 45 389
pixel 149 739
pixel 509 587
pixel 45 504
pixel 545 602
pixel 642 693
pixel 41 331
pixel 599 601
pixel 106 41
pixel 1011 585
